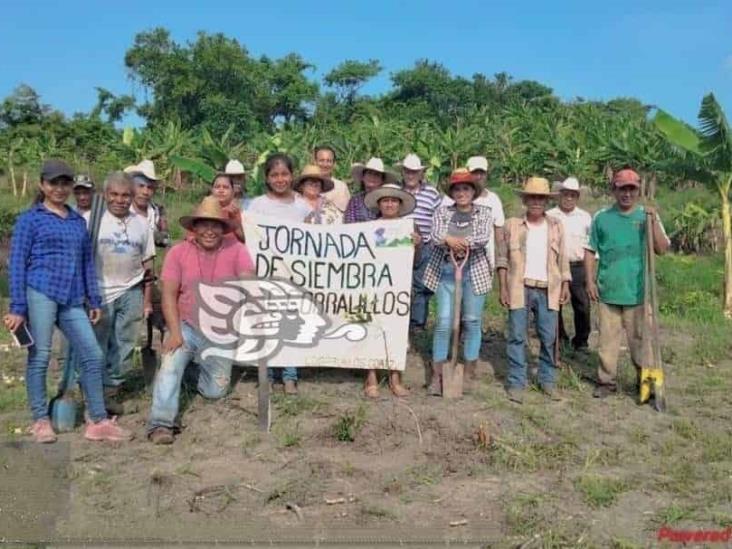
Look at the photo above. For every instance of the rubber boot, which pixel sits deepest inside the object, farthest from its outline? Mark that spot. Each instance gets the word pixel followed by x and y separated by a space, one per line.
pixel 435 388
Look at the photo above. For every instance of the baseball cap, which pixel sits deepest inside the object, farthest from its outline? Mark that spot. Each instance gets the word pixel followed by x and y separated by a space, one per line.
pixel 83 180
pixel 52 169
pixel 626 177
pixel 477 163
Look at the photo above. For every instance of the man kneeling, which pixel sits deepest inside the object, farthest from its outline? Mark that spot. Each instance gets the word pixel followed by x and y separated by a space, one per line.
pixel 206 258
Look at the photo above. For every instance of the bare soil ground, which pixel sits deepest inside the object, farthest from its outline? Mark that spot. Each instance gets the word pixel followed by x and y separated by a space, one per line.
pixel 339 468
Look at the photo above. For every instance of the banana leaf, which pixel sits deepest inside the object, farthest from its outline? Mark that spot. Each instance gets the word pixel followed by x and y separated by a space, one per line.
pixel 194 166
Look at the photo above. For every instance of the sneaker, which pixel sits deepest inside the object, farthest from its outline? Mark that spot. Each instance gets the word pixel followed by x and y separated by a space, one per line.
pixel 107 429
pixel 161 435
pixel 290 387
pixel 603 391
pixel 42 431
pixel 515 395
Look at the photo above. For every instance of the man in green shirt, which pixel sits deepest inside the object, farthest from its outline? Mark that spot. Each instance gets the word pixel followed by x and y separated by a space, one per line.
pixel 616 280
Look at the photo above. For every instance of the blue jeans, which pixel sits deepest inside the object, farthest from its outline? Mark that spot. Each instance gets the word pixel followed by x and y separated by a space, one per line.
pixel 420 293
pixel 288 374
pixel 117 334
pixel 546 327
pixel 73 321
pixel 213 378
pixel 471 312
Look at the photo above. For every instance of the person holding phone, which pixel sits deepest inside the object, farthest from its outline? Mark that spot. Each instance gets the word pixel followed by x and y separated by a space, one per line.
pixel 52 275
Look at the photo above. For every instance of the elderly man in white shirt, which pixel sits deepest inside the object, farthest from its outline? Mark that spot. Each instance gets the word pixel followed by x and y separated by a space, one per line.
pixel 576 222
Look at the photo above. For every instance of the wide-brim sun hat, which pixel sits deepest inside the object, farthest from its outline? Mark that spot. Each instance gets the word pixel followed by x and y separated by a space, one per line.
pixel 407 201
pixel 146 168
pixel 412 162
pixel 375 165
pixel 209 210
pixel 311 171
pixel 537 186
pixel 463 176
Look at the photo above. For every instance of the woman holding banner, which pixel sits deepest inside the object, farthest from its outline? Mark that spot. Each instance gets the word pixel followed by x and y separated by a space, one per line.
pixel 460 234
pixel 281 202
pixel 311 184
pixel 370 176
pixel 389 201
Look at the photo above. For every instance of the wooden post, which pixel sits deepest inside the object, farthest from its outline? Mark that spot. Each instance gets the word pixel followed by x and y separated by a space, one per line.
pixel 263 405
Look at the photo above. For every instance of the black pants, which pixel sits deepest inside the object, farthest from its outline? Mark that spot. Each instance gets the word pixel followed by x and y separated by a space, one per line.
pixel 580 307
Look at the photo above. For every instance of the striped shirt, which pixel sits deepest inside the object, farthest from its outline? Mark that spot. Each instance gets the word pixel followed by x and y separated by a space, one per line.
pixel 428 200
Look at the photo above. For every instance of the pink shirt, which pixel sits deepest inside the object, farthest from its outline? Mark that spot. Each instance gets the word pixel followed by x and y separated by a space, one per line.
pixel 187 264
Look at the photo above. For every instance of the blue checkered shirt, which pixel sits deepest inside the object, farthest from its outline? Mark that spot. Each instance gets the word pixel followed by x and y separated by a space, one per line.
pixel 52 255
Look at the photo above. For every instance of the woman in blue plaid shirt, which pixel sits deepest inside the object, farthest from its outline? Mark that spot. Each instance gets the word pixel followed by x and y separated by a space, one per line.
pixel 460 229
pixel 51 277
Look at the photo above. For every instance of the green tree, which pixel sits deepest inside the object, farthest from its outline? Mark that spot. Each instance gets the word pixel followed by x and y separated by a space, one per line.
pixel 708 157
pixel 350 76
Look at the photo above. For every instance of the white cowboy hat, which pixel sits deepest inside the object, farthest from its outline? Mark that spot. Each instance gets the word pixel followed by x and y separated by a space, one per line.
pixel 477 163
pixel 234 167
pixel 375 165
pixel 412 162
pixel 407 205
pixel 570 184
pixel 146 168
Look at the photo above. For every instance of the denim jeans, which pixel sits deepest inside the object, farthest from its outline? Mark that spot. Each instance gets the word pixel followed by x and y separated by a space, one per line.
pixel 213 378
pixel 420 293
pixel 287 374
pixel 117 334
pixel 535 300
pixel 471 313
pixel 73 321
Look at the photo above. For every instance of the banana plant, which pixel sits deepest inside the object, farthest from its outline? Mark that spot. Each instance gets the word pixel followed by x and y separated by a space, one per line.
pixel 707 153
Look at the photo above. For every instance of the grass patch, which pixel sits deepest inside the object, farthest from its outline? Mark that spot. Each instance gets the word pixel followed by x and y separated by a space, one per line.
pixel 523 514
pixel 600 491
pixel 372 510
pixel 347 426
pixel 288 434
pixel 672 514
pixel 288 406
pixel 12 398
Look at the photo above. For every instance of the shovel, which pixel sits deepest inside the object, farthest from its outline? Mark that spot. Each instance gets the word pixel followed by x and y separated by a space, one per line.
pixel 64 408
pixel 651 377
pixel 452 372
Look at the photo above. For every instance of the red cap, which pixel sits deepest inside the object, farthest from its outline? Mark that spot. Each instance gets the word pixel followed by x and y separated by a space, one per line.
pixel 626 177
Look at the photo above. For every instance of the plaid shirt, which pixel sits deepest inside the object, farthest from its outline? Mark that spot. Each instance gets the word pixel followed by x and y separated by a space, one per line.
pixel 52 255
pixel 356 211
pixel 478 266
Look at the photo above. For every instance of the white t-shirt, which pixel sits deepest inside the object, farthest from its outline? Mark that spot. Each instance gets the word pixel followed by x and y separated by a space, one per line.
pixel 296 210
pixel 537 249
pixel 492 201
pixel 122 246
pixel 576 231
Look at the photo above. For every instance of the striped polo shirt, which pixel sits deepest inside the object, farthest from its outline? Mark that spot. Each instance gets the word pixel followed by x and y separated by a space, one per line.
pixel 428 200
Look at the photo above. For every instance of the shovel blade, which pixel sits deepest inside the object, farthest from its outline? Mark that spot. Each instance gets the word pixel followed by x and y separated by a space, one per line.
pixel 64 414
pixel 452 380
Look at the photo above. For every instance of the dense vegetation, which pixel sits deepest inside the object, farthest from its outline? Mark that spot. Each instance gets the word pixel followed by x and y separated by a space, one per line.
pixel 209 99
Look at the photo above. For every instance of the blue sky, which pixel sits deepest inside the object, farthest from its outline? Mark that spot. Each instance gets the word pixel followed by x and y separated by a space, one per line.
pixel 666 53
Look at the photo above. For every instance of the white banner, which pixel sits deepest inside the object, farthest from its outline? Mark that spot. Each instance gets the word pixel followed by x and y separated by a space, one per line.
pixel 324 295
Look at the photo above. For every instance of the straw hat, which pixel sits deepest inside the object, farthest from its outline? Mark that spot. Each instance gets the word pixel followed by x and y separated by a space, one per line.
pixel 146 168
pixel 311 171
pixel 375 165
pixel 234 167
pixel 536 186
pixel 408 203
pixel 462 175
pixel 209 209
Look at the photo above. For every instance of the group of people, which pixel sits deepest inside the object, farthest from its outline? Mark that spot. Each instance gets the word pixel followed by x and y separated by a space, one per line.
pixel 92 274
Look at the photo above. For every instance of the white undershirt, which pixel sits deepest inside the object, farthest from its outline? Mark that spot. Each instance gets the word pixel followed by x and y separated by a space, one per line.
pixel 537 246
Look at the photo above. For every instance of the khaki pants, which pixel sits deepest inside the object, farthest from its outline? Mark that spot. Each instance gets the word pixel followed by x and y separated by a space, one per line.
pixel 614 318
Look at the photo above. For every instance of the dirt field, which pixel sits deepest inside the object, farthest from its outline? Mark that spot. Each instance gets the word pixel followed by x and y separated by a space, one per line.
pixel 339 468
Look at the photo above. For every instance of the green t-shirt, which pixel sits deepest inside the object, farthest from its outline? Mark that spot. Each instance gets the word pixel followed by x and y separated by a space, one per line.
pixel 620 241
